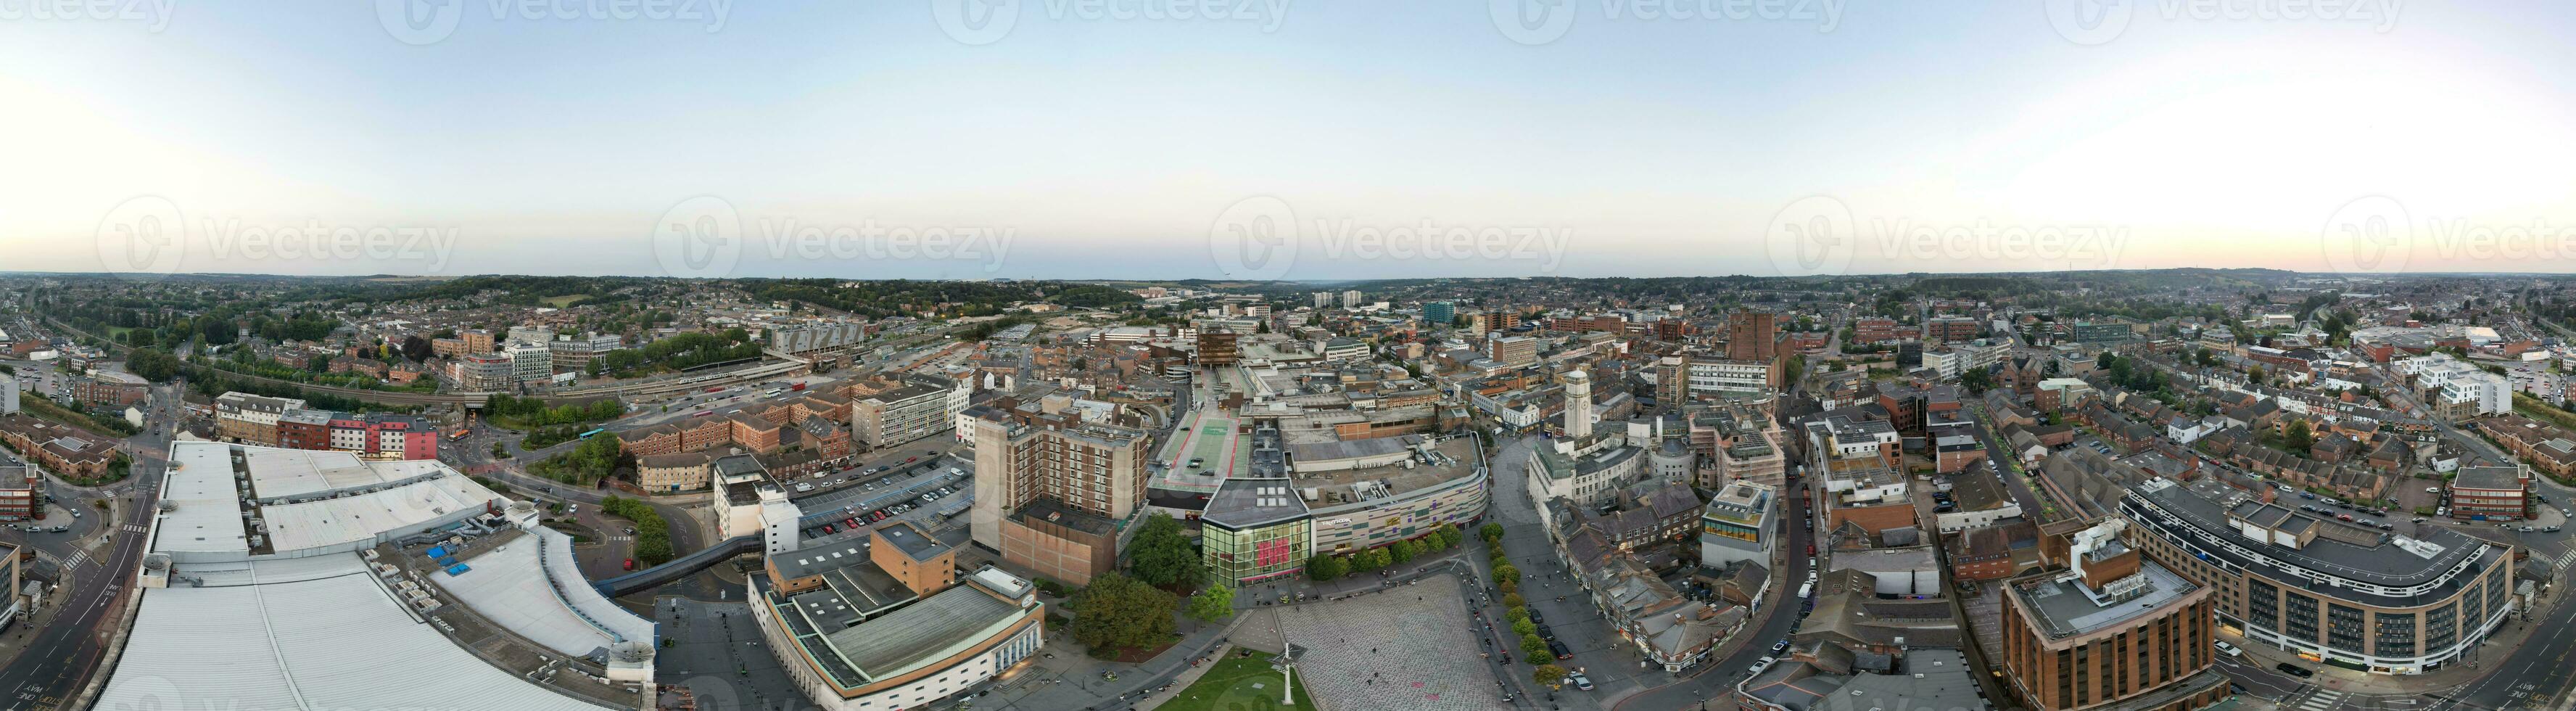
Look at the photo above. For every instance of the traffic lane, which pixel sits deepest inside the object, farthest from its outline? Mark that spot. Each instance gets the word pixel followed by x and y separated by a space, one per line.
pixel 2534 675
pixel 2260 680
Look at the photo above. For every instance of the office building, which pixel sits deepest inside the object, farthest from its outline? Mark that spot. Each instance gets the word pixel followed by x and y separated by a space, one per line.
pixel 2492 493
pixel 1736 525
pixel 1439 313
pixel 1752 335
pixel 1672 381
pixel 1217 347
pixel 1514 351
pixel 483 373
pixel 885 413
pixel 2351 596
pixel 574 352
pixel 530 363
pixel 109 390
pixel 2112 631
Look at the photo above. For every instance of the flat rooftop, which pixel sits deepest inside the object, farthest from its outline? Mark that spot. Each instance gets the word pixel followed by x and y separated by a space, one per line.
pixel 2062 606
pixel 1456 459
pixel 911 541
pixel 2396 561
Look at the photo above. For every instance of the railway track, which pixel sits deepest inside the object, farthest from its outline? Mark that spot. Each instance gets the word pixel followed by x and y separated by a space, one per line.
pixel 767 369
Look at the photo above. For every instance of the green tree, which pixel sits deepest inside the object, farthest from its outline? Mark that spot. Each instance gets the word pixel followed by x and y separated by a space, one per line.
pixel 1513 600
pixel 1326 567
pixel 1537 648
pixel 1212 604
pixel 1369 561
pixel 1403 550
pixel 1548 674
pixel 1977 380
pixel 1491 531
pixel 2299 438
pixel 1162 557
pixel 1517 614
pixel 1119 611
pixel 1524 627
pixel 1505 573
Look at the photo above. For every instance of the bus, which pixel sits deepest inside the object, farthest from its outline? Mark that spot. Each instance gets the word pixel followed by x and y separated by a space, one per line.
pixel 586 435
pixel 459 435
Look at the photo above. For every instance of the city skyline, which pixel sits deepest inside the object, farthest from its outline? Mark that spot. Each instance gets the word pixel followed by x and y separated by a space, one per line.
pixel 1062 140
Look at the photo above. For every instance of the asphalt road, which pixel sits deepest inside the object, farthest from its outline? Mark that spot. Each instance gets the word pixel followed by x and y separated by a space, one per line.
pixel 1713 683
pixel 62 654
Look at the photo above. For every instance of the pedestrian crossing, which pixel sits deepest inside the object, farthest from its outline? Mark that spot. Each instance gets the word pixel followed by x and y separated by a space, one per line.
pixel 2565 558
pixel 621 539
pixel 2320 700
pixel 136 528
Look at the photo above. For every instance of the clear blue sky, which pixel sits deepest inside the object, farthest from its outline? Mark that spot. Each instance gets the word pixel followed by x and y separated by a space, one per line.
pixel 1108 147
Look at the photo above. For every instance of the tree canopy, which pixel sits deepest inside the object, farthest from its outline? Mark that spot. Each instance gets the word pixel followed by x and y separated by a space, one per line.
pixel 1162 557
pixel 1120 611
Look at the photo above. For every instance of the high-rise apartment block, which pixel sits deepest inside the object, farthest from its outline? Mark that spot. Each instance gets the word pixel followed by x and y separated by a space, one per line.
pixel 1050 491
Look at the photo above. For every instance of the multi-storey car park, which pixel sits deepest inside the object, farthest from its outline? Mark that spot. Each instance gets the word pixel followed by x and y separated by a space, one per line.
pixel 2326 590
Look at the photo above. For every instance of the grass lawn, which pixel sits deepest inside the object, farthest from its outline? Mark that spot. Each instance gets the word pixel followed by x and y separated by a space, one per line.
pixel 1230 687
pixel 564 300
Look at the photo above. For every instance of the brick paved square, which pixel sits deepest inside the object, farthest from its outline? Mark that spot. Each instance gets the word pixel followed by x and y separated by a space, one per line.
pixel 1425 657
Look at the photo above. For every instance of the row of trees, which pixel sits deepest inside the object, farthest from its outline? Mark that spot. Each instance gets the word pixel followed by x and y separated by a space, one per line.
pixel 533 412
pixel 1330 567
pixel 1507 580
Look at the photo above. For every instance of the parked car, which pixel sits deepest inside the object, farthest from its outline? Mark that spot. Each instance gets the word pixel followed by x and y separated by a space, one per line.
pixel 630 564
pixel 2228 649
pixel 1559 649
pixel 1580 681
pixel 2295 670
pixel 1761 664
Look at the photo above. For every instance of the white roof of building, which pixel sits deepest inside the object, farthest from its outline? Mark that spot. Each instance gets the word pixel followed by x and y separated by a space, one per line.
pixel 549 604
pixel 297 472
pixel 328 522
pixel 205 510
pixel 335 642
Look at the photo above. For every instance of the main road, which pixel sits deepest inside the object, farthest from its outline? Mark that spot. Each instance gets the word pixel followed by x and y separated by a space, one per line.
pixel 59 656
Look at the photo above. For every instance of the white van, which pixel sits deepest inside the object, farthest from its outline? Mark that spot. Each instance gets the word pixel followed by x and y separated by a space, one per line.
pixel 2228 649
